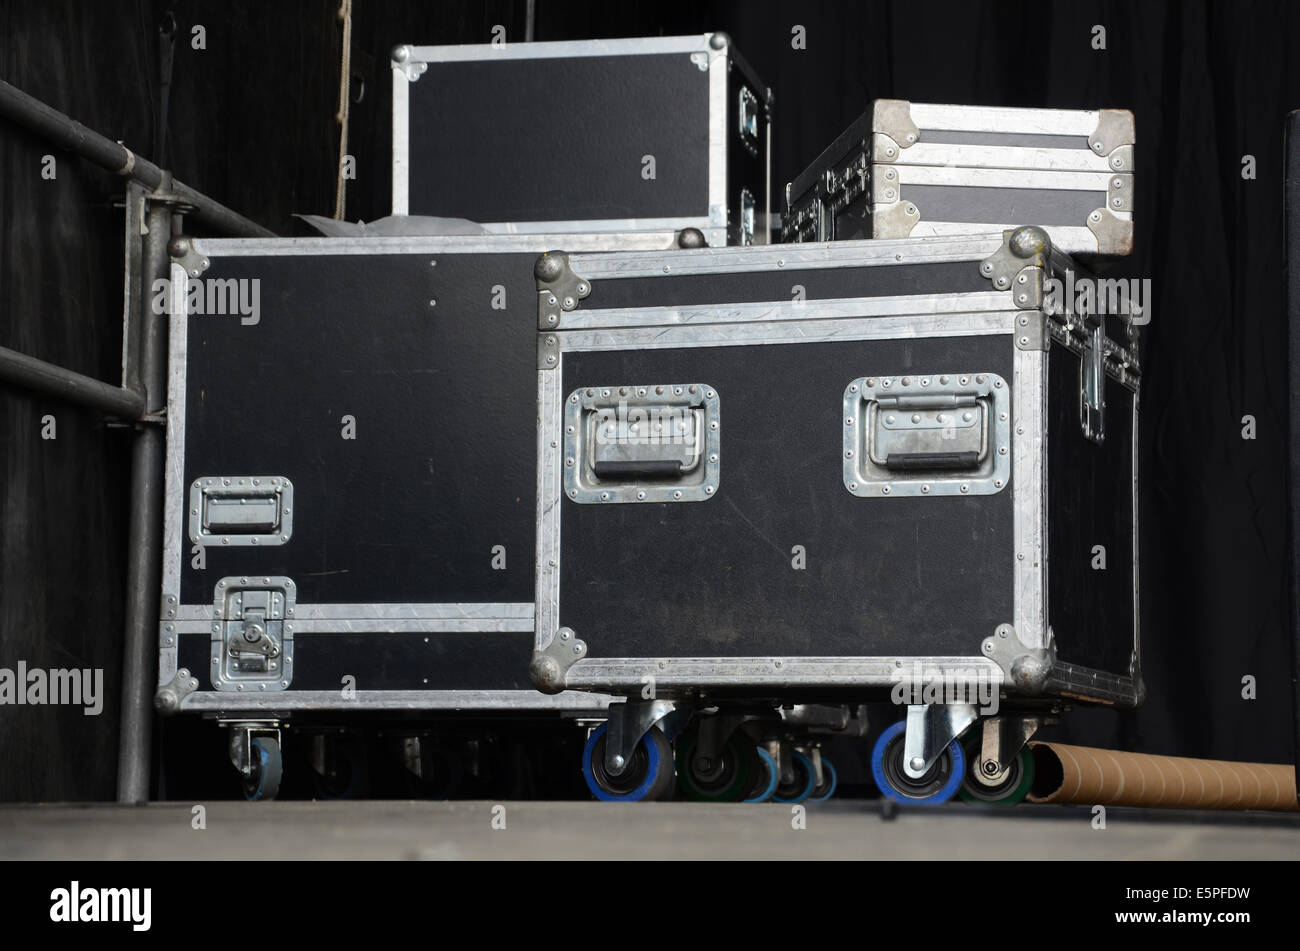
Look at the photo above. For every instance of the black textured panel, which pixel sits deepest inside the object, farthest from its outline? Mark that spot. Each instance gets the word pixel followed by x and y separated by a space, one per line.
pixel 563 138
pixel 1089 503
pixel 1040 206
pixel 780 284
pixel 442 467
pixel 452 661
pixel 914 576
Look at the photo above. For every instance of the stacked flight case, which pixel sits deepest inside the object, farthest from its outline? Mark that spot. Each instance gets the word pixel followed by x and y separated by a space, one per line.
pixel 924 170
pixel 660 133
pixel 620 448
pixel 350 487
pixel 819 474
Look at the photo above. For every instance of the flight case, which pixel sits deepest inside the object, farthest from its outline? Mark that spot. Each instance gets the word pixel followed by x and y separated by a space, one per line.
pixel 586 136
pixel 922 170
pixel 350 489
pixel 831 472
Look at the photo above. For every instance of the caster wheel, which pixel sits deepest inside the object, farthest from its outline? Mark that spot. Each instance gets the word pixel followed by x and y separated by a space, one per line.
pixel 442 775
pixel 342 775
pixel 939 783
pixel 767 777
pixel 1012 788
pixel 648 775
pixel 726 780
pixel 267 768
pixel 829 781
pixel 801 787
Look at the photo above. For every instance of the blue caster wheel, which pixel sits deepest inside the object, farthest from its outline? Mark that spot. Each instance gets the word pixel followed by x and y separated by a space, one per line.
pixel 647 776
pixel 829 781
pixel 801 786
pixel 267 768
pixel 767 778
pixel 938 785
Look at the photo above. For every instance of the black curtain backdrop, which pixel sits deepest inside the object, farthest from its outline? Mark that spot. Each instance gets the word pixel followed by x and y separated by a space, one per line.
pixel 250 121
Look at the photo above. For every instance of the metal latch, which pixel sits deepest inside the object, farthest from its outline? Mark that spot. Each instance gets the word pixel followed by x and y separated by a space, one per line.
pixel 746 216
pixel 241 510
pixel 654 443
pixel 747 113
pixel 927 435
pixel 252 633
pixel 1092 384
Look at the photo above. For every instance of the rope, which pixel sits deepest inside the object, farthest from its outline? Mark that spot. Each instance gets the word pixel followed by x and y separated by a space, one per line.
pixel 345 96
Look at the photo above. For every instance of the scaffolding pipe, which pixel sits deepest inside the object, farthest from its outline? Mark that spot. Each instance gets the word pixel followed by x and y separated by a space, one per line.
pixel 64 131
pixel 52 380
pixel 144 553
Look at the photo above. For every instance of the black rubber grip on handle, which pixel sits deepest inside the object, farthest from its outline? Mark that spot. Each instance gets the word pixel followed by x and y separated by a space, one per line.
pixel 913 461
pixel 633 469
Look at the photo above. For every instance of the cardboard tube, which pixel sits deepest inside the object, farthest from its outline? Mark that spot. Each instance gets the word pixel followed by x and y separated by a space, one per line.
pixel 1080 774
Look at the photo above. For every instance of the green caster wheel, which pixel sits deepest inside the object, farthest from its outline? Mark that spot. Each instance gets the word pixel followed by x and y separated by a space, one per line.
pixel 1010 788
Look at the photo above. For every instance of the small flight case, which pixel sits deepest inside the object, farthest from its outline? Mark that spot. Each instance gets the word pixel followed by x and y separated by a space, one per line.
pixel 825 473
pixel 921 170
pixel 350 479
pixel 660 133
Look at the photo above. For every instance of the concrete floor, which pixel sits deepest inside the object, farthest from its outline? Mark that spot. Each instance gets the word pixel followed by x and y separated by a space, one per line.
pixel 587 830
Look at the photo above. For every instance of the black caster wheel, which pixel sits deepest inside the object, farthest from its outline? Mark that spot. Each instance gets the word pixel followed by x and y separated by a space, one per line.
pixel 765 777
pixel 830 779
pixel 938 785
pixel 1011 788
pixel 442 774
pixel 344 769
pixel 647 776
pixel 728 779
pixel 801 785
pixel 265 769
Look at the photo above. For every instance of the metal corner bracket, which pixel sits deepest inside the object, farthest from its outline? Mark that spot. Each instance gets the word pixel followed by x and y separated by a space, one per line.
pixel 1019 265
pixel 169 696
pixel 550 665
pixel 1027 669
pixel 893 117
pixel 412 69
pixel 183 253
pixel 1115 128
pixel 558 288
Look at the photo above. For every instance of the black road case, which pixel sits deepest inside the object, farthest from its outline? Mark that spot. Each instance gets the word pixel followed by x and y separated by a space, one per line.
pixel 350 481
pixel 584 136
pixel 809 472
pixel 923 170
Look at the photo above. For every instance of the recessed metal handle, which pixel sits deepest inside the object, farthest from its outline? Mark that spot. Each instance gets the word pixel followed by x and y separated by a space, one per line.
pixel 939 434
pixel 241 510
pixel 653 443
